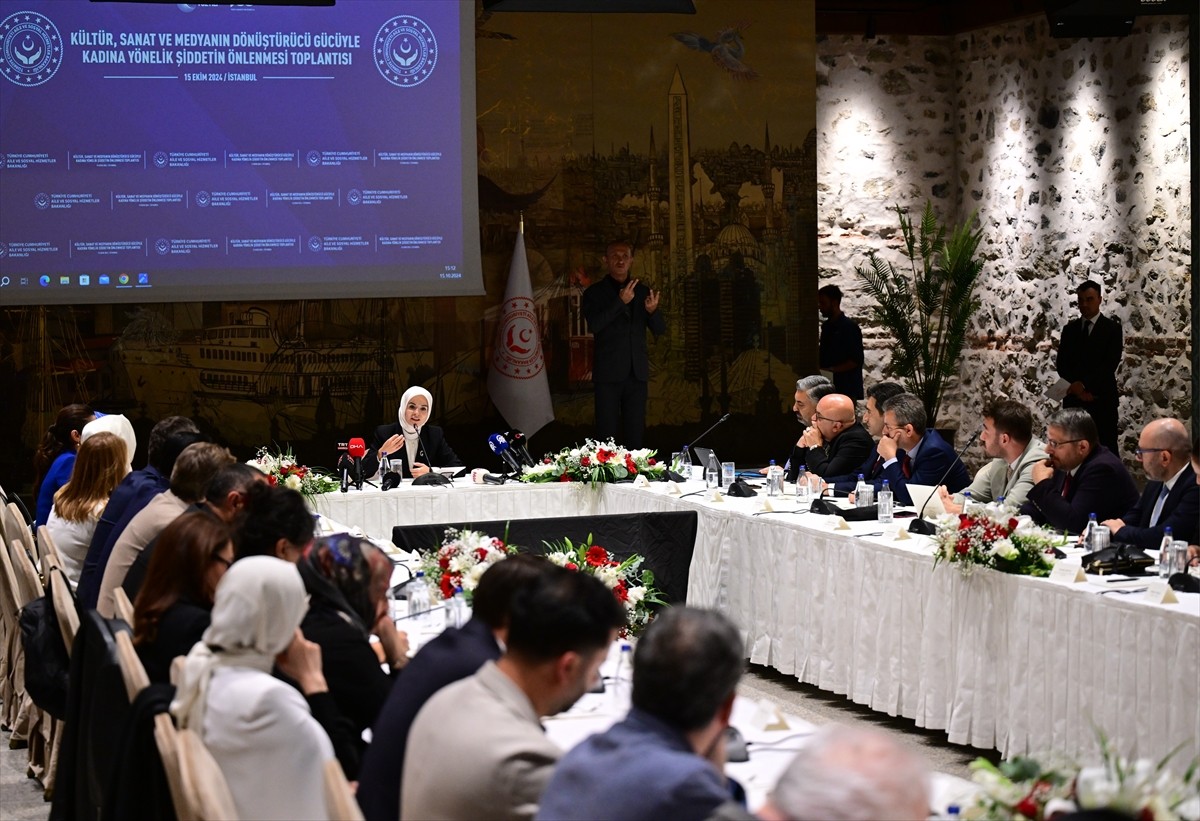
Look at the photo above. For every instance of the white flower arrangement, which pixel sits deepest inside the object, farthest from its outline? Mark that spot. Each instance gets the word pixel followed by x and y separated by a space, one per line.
pixel 283 469
pixel 595 462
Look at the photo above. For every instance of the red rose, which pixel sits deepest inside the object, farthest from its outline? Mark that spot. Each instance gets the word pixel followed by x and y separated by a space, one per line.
pixel 651 461
pixel 545 461
pixel 447 587
pixel 621 592
pixel 1027 807
pixel 564 478
pixel 1012 525
pixel 571 566
pixel 444 562
pixel 629 464
pixel 272 480
pixel 585 461
pixel 602 456
pixel 962 546
pixel 481 553
pixel 597 556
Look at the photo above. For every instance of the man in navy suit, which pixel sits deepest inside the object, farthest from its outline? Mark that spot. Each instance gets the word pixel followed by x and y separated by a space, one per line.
pixel 1171 497
pixel 912 452
pixel 619 311
pixel 877 396
pixel 1089 353
pixel 1079 477
pixel 453 655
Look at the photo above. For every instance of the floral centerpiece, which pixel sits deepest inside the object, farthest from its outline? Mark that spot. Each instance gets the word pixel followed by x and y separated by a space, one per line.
pixel 283 469
pixel 462 558
pixel 1028 789
pixel 630 583
pixel 597 463
pixel 991 537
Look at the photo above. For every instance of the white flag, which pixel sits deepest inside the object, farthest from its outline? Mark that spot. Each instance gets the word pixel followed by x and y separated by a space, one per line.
pixel 517 380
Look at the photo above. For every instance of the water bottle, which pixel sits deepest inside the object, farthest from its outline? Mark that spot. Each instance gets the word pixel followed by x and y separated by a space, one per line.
pixel 862 492
pixel 623 678
pixel 712 472
pixel 460 611
pixel 420 599
pixel 774 480
pixel 1001 506
pixel 966 501
pixel 1087 531
pixel 1164 553
pixel 885 503
pixel 803 487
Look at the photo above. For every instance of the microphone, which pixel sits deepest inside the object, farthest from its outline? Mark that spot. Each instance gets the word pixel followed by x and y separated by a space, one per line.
pixel 357 449
pixel 432 477
pixel 517 443
pixel 920 524
pixel 389 477
pixel 501 448
pixel 344 464
pixel 713 427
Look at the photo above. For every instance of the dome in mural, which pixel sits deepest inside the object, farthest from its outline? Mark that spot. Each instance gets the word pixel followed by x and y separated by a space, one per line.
pixel 736 238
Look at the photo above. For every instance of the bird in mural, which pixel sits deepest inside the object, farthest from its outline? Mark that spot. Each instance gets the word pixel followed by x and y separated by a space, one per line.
pixel 726 50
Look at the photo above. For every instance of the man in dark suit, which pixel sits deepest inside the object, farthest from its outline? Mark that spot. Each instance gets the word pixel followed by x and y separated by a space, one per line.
pixel 1171 497
pixel 912 452
pixel 1079 477
pixel 1089 352
pixel 619 310
pixel 877 396
pixel 835 443
pixel 840 350
pixel 454 655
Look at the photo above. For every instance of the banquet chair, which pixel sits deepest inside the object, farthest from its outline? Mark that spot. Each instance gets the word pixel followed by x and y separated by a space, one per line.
pixel 122 606
pixel 29 583
pixel 204 786
pixel 47 547
pixel 30 724
pixel 21 527
pixel 66 612
pixel 339 798
pixel 10 684
pixel 132 671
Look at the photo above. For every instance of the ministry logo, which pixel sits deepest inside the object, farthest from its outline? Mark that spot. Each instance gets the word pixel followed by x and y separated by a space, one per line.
pixel 30 48
pixel 405 51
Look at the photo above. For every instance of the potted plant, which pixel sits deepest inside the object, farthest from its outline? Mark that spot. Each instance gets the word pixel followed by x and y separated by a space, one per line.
pixel 927 304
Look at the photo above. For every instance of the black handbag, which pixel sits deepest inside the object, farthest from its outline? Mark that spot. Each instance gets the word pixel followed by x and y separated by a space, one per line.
pixel 1124 559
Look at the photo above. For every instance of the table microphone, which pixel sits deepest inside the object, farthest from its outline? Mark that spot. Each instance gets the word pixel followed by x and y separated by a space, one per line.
pixel 344 466
pixel 432 477
pixel 500 447
pixel 389 478
pixel 517 443
pixel 357 449
pixel 920 524
pixel 713 427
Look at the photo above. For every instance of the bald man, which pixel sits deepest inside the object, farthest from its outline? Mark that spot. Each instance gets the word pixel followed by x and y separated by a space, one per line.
pixel 835 443
pixel 1171 497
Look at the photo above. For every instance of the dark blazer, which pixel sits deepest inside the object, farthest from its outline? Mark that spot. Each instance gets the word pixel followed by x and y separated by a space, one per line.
pixel 1102 486
pixel 433 442
pixel 836 458
pixel 179 628
pixel 1092 360
pixel 1181 513
pixel 870 469
pixel 928 467
pixel 132 494
pixel 620 331
pixel 453 655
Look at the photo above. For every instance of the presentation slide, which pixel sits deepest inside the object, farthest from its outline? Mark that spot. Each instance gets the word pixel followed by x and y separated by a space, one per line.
pixel 192 151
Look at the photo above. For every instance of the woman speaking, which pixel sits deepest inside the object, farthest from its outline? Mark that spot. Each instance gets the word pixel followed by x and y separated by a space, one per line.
pixel 412 443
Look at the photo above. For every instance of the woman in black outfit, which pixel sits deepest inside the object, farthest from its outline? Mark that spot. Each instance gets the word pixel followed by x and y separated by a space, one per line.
pixel 413 446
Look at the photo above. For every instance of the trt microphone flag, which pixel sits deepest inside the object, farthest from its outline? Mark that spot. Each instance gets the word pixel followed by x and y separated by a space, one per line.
pixel 517 379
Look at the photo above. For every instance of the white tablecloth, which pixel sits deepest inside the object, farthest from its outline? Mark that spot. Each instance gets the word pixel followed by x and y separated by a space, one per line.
pixel 1018 664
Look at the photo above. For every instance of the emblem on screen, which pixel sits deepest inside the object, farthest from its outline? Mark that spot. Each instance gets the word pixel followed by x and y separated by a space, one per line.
pixel 202 199
pixel 160 159
pixel 41 201
pixel 314 243
pixel 30 48
pixel 162 247
pixel 405 51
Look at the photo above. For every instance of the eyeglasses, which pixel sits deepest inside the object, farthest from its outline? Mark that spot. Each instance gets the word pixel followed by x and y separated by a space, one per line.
pixel 827 419
pixel 1144 451
pixel 1050 443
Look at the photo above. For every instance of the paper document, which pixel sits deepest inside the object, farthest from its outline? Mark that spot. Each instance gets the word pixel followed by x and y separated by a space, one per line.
pixel 1058 391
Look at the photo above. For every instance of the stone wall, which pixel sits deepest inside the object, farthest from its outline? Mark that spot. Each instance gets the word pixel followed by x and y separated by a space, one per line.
pixel 1074 154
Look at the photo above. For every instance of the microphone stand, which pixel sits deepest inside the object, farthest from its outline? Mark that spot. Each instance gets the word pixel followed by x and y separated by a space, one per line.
pixel 688 448
pixel 921 525
pixel 432 477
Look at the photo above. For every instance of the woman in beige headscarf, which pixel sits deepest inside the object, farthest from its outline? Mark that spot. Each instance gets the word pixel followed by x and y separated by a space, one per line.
pixel 413 446
pixel 260 730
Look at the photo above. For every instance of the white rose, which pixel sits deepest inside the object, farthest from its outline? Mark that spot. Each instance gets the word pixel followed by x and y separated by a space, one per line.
pixel 1004 548
pixel 471 578
pixel 460 563
pixel 636 594
pixel 609 576
pixel 574 453
pixel 292 481
pixel 559 558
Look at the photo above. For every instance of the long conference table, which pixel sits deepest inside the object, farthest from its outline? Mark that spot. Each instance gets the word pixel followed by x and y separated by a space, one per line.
pixel 996 661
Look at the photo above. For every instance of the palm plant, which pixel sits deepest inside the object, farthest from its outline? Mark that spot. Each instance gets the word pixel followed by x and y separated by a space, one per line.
pixel 929 308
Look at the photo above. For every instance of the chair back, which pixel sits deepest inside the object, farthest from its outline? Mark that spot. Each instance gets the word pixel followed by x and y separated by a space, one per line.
pixel 21 526
pixel 122 606
pixel 166 738
pixel 204 785
pixel 9 593
pixel 66 609
pixel 132 671
pixel 46 545
pixel 339 798
pixel 10 521
pixel 29 586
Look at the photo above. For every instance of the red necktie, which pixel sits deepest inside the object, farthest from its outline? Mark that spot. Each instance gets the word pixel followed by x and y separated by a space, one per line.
pixel 1066 485
pixel 906 466
pixel 875 468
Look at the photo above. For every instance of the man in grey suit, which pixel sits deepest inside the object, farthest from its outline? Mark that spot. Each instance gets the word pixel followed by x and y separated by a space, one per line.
pixel 1008 438
pixel 477 748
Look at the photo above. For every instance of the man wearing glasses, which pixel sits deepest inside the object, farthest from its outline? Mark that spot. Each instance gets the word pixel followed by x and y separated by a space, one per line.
pixel 1079 476
pixel 835 443
pixel 1171 497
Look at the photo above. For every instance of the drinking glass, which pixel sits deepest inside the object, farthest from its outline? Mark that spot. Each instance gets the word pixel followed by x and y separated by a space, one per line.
pixel 728 473
pixel 1100 537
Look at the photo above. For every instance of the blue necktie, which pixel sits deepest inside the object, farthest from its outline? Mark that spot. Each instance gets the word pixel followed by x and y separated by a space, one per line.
pixel 1158 506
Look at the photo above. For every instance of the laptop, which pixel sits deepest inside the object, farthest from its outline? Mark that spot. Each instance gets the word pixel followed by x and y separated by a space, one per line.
pixel 703 455
pixel 921 493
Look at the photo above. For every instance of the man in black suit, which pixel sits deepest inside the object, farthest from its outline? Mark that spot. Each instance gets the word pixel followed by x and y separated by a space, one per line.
pixel 1171 497
pixel 1089 352
pixel 619 310
pixel 1079 477
pixel 835 443
pixel 454 655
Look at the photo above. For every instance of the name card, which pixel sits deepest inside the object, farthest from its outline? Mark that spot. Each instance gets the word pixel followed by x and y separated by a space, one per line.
pixel 641 481
pixel 767 506
pixel 768 717
pixel 675 488
pixel 1159 592
pixel 840 524
pixel 717 496
pixel 902 534
pixel 1067 573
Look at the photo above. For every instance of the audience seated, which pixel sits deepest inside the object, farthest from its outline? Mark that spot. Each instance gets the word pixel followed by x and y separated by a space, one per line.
pixel 347 580
pixel 55 457
pixel 167 440
pixel 847 774
pixel 666 759
pixel 872 420
pixel 114 423
pixel 173 608
pixel 274 521
pixel 1171 498
pixel 224 496
pixel 450 657
pixel 192 471
pixel 259 730
pixel 477 748
pixel 1007 437
pixel 1079 477
pixel 835 443
pixel 98 469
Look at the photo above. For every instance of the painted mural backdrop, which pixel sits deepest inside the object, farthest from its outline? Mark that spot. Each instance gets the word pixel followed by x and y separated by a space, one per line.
pixel 693 136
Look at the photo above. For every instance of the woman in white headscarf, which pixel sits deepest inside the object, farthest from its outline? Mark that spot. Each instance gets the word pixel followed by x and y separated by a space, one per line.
pixel 413 446
pixel 260 730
